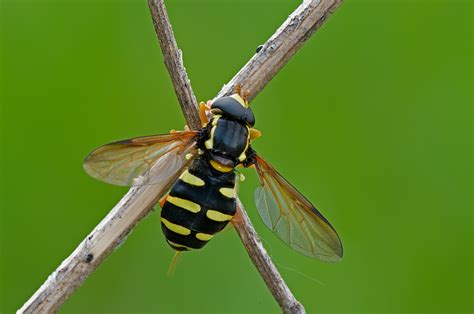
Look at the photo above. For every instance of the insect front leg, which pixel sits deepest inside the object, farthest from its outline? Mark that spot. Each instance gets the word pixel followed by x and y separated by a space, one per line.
pixel 251 158
pixel 203 136
pixel 241 92
pixel 203 109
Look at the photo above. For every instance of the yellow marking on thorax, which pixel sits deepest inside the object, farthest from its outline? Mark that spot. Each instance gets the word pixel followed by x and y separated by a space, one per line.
pixel 227 192
pixel 175 228
pixel 191 179
pixel 179 245
pixel 210 142
pixel 220 167
pixel 217 216
pixel 243 155
pixel 215 119
pixel 185 204
pixel 204 236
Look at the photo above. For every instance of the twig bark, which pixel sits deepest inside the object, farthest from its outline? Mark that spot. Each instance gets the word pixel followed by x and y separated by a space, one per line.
pixel 139 200
pixel 173 58
pixel 264 264
pixel 281 46
pixel 90 253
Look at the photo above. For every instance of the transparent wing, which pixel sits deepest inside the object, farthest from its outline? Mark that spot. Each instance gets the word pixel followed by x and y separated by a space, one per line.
pixel 156 157
pixel 293 218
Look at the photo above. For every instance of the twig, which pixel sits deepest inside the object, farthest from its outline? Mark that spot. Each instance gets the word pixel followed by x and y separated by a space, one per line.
pixel 281 46
pixel 264 264
pixel 139 201
pixel 110 233
pixel 174 63
pixel 173 58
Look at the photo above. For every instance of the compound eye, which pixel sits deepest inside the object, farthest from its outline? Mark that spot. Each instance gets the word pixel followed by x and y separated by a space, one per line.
pixel 249 117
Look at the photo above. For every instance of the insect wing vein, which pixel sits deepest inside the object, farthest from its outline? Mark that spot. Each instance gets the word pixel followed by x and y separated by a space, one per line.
pixel 293 218
pixel 155 157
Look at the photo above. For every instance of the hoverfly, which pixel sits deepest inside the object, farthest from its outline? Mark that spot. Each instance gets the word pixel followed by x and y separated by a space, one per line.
pixel 202 200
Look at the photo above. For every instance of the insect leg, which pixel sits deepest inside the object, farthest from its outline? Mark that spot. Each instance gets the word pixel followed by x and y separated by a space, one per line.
pixel 238 89
pixel 244 94
pixel 162 200
pixel 203 107
pixel 173 263
pixel 237 217
pixel 251 158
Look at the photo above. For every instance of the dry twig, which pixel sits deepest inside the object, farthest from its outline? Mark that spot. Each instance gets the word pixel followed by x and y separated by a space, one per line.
pixel 281 46
pixel 139 201
pixel 173 58
pixel 264 264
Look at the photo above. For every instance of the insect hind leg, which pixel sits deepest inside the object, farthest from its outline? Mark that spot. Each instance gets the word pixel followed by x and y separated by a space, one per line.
pixel 173 263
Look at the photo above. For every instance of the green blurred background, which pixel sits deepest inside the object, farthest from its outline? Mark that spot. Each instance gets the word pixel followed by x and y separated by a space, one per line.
pixel 371 120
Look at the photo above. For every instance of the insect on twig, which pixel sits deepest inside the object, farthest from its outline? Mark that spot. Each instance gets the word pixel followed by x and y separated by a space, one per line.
pixel 140 199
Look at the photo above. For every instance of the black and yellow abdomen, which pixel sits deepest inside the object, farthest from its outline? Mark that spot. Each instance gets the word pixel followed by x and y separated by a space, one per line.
pixel 200 204
pixel 202 201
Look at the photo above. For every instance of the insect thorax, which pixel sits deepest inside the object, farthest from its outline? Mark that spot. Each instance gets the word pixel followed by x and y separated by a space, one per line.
pixel 225 142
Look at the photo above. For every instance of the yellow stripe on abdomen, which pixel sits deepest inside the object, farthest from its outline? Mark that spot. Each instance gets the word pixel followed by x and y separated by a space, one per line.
pixel 191 179
pixel 219 167
pixel 204 236
pixel 177 245
pixel 227 192
pixel 217 216
pixel 185 204
pixel 175 228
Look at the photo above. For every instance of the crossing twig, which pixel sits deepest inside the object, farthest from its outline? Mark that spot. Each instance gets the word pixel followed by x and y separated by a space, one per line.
pixel 139 200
